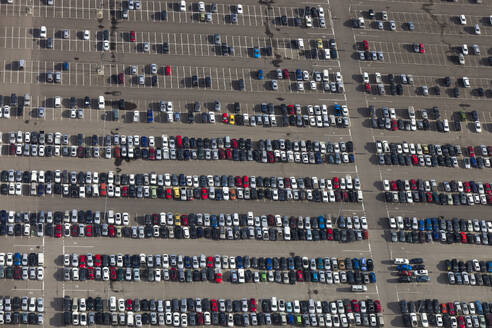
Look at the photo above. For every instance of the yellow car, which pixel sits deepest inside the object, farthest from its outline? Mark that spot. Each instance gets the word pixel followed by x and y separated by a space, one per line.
pixel 319 43
pixel 177 219
pixel 231 119
pixel 176 193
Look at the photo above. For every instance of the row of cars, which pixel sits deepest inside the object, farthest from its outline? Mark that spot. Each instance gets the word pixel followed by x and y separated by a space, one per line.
pixel 431 155
pixel 440 223
pixel 223 312
pixel 441 236
pixel 151 153
pixel 428 312
pixel 178 180
pixel 453 193
pixel 21 310
pixel 21 272
pixel 357 279
pixel 178 232
pixel 472 278
pixel 178 261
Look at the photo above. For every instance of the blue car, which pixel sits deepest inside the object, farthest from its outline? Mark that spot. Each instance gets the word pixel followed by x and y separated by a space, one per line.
pixel 17 259
pixel 338 110
pixel 150 116
pixel 403 267
pixel 422 278
pixel 260 74
pixel 213 221
pixel 144 141
pixel 256 53
pixel 321 222
pixel 372 277
pixel 314 276
pixel 239 262
pixel 268 263
pixel 290 319
pixel 298 74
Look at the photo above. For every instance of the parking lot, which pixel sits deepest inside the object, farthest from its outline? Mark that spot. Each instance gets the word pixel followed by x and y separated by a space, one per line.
pixel 193 66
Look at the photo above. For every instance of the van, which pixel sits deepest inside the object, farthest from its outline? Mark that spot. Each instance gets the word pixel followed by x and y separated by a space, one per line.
pixel 362 23
pixel 240 274
pixel 312 307
pixel 41 259
pixel 21 65
pixel 112 304
pixel 110 217
pixel 300 44
pixel 359 288
pixel 129 319
pixel 274 304
pixel 326 76
pixel 27 100
pixel 380 320
pixel 286 233
pixel 57 102
pixel 75 304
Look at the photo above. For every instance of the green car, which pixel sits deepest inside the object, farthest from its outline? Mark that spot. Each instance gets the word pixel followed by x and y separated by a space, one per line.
pixel 154 192
pixel 462 116
pixel 263 276
pixel 120 276
pixel 298 319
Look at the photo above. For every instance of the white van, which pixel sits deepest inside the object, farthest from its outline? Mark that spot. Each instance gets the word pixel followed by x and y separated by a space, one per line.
pixel 326 76
pixel 286 233
pixel 110 217
pixel 41 259
pixel 57 102
pixel 112 304
pixel 300 44
pixel 274 304
pixel 359 288
pixel 129 319
pixel 240 275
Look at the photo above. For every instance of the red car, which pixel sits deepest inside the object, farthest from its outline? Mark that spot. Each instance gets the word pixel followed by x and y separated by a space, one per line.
pixel 394 187
pixel 300 276
pixel 377 304
pixel 179 141
pixel 168 70
pixel 112 274
pixel 367 86
pixel 471 151
pixel 204 193
pixel 225 118
pixel 88 230
pixel 111 231
pixel 428 195
pixel 117 152
pixel 365 45
pixel 218 277
pixel 228 154
pixel 132 36
pixel 421 48
pixel 252 305
pixel 97 260
pixel 82 261
pixel 213 305
pixel 129 305
pixel 245 181
pixel 394 125
pixel 451 308
pixel 90 273
pixel 210 262
pixel 237 181
pixel 169 193
pixel 415 160
pixel 336 183
pixel 234 144
pixel 184 220
pixel 121 78
pixel 75 230
pixel 329 234
pixel 463 237
pixel 285 73
pixel 151 153
pixel 58 231
pixel 124 191
pixel 466 185
pixel 290 109
pixel 355 305
pixel 365 234
pixel 413 184
pixel 461 322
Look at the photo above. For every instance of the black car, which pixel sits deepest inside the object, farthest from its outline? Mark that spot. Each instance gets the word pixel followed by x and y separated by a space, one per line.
pixel 165 48
pixel 447 81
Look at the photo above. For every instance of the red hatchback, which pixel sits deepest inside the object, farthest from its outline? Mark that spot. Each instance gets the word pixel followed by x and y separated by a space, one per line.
pixel 367 86
pixel 365 45
pixel 204 193
pixel 132 36
pixel 421 48
pixel 58 231
pixel 168 70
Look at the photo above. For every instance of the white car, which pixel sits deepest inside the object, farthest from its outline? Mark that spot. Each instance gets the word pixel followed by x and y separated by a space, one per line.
pixel 365 77
pixel 477 29
pixel 464 49
pixel 182 6
pixel 478 127
pixel 462 19
pixel 239 9
pixel 100 102
pixel 106 45
pixel 466 82
pixel 274 85
pixel 42 32
pixel 312 84
pixel 136 116
pixel 201 6
pixel 300 86
pixel 87 35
